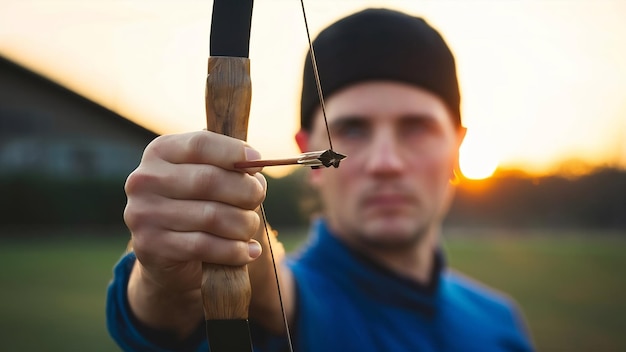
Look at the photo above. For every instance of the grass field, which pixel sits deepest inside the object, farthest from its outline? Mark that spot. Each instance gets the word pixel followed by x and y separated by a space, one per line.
pixel 572 290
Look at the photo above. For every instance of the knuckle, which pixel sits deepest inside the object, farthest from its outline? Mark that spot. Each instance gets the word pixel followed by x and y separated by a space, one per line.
pixel 133 182
pixel 129 216
pixel 247 225
pixel 142 214
pixel 139 242
pixel 194 246
pixel 210 216
pixel 155 147
pixel 261 190
pixel 204 179
pixel 133 217
pixel 195 145
pixel 253 223
pixel 254 196
pixel 260 193
pixel 137 181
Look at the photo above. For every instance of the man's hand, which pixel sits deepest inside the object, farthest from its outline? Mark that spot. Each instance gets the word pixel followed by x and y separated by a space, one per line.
pixel 188 205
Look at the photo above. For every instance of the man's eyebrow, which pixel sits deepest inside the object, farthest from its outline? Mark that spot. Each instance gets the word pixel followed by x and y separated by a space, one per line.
pixel 418 116
pixel 362 120
pixel 347 120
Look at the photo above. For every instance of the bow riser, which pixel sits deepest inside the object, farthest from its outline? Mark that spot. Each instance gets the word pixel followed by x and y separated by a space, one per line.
pixel 228 96
pixel 226 290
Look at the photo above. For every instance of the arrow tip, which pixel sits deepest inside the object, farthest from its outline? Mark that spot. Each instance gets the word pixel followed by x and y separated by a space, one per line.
pixel 331 158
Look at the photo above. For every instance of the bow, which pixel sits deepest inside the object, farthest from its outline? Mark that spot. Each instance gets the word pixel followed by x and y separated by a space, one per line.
pixel 226 290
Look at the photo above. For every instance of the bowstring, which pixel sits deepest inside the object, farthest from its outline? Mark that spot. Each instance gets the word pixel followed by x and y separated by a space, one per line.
pixel 330 143
pixel 316 74
pixel 280 295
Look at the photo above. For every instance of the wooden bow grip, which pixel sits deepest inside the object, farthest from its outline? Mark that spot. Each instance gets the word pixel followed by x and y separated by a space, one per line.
pixel 226 289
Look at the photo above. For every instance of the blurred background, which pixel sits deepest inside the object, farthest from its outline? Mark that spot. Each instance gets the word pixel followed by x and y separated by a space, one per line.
pixel 540 211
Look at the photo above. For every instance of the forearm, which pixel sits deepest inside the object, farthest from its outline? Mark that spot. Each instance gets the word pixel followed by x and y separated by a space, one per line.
pixel 177 312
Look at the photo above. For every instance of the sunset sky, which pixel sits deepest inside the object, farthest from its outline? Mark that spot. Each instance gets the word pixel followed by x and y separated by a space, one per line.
pixel 542 82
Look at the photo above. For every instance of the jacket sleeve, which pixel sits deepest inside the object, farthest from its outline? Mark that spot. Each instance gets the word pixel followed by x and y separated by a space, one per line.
pixel 127 331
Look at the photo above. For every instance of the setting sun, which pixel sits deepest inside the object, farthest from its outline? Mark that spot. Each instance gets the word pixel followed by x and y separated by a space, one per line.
pixel 478 158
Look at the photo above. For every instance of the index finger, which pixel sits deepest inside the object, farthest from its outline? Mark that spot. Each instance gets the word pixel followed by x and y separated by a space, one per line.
pixel 202 147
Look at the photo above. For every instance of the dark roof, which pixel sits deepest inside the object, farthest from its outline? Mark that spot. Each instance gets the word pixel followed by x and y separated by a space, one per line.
pixel 126 123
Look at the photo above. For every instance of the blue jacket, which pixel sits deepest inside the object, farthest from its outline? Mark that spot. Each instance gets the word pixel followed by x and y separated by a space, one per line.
pixel 345 302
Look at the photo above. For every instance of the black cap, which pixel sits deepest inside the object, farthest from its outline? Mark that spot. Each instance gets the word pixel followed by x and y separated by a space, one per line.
pixel 380 44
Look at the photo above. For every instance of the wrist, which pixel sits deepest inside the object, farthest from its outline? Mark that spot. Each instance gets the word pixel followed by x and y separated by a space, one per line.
pixel 157 307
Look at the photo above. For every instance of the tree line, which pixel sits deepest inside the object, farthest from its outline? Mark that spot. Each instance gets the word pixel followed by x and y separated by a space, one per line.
pixel 509 199
pixel 506 200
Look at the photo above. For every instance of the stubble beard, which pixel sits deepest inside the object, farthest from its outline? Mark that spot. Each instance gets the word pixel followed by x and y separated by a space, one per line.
pixel 379 240
pixel 393 232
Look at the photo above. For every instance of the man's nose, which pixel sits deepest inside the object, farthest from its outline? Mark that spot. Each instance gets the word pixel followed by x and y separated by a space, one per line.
pixel 384 155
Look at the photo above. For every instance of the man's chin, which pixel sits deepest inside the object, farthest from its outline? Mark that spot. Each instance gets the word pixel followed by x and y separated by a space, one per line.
pixel 394 234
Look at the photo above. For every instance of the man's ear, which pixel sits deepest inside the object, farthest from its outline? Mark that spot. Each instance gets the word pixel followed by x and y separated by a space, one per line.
pixel 302 139
pixel 462 131
pixel 456 168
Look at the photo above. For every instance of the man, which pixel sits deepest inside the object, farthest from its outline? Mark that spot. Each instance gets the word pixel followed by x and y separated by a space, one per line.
pixel 372 277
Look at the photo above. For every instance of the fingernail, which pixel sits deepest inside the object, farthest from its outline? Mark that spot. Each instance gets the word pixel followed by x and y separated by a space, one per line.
pixel 254 249
pixel 252 154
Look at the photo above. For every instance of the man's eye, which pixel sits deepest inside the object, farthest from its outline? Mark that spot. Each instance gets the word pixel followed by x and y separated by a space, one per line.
pixel 416 127
pixel 352 131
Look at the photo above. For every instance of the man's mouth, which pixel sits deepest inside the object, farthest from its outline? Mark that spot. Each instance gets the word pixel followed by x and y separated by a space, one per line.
pixel 387 202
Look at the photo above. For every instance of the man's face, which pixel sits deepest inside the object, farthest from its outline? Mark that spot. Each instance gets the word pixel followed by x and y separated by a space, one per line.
pixel 402 146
